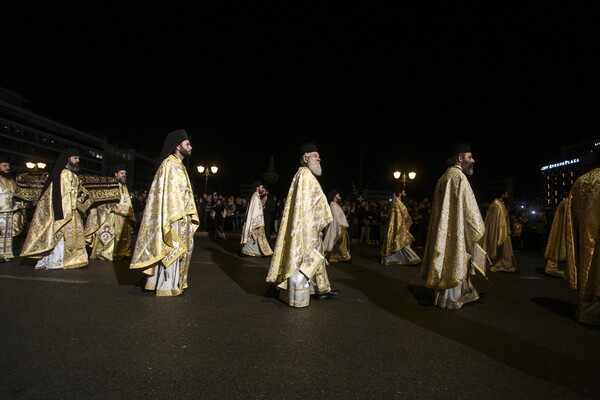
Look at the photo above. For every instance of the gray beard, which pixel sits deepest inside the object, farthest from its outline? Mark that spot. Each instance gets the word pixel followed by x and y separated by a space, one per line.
pixel 315 169
pixel 467 169
pixel 122 181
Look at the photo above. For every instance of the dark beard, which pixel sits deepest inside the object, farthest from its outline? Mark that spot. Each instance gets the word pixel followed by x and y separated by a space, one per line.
pixel 5 174
pixel 185 153
pixel 73 167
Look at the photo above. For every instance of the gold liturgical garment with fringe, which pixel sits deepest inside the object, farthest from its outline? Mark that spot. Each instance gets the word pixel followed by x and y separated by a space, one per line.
pixel 583 229
pixel 455 228
pixel 45 232
pixel 299 244
pixel 397 231
pixel 170 199
pixel 113 220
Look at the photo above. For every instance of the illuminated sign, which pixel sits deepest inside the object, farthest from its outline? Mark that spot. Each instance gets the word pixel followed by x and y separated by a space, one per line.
pixel 560 164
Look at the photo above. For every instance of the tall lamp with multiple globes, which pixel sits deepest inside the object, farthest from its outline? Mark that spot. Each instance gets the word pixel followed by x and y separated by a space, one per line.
pixel 35 165
pixel 207 171
pixel 404 177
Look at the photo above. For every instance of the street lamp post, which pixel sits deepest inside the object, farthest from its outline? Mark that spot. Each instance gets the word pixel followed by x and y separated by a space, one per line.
pixel 404 177
pixel 207 171
pixel 35 165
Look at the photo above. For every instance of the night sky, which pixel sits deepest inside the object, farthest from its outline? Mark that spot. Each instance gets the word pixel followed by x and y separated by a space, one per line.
pixel 377 86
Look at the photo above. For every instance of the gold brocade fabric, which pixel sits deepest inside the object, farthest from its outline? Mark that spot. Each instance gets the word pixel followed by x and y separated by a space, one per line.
pixel 119 217
pixel 45 232
pixel 254 218
pixel 101 188
pixel 7 193
pixel 455 228
pixel 7 196
pixel 583 241
pixel 497 241
pixel 397 231
pixel 253 235
pixel 556 246
pixel 6 240
pixel 333 232
pixel 299 245
pixel 30 185
pixel 340 252
pixel 497 228
pixel 170 199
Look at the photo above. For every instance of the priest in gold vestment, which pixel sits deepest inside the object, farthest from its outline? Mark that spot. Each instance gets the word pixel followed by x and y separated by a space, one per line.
pixel 556 246
pixel 254 237
pixel 395 246
pixel 452 253
pixel 337 240
pixel 298 266
pixel 497 241
pixel 583 245
pixel 56 236
pixel 165 240
pixel 11 211
pixel 109 224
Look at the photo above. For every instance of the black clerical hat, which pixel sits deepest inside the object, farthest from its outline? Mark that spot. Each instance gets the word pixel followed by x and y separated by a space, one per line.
pixel 462 148
pixel 116 168
pixel 172 140
pixel 308 148
pixel 331 195
pixel 255 185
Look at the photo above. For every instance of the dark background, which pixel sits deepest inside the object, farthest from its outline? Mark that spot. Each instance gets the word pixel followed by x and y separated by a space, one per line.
pixel 378 86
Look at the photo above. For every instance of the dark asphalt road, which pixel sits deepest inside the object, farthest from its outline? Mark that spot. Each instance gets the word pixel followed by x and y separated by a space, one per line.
pixel 93 334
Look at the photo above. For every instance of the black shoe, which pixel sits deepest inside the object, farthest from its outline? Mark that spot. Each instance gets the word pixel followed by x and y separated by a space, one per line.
pixel 328 295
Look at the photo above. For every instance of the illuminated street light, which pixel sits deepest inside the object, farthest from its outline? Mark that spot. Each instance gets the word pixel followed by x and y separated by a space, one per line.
pixel 35 166
pixel 404 177
pixel 206 171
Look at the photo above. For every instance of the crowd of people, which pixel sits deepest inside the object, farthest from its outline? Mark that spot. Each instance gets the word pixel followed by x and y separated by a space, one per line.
pixel 155 229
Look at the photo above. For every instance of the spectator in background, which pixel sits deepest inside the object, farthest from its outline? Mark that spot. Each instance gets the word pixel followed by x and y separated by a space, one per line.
pixel 516 233
pixel 230 214
pixel 365 217
pixel 209 224
pixel 138 202
pixel 218 213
